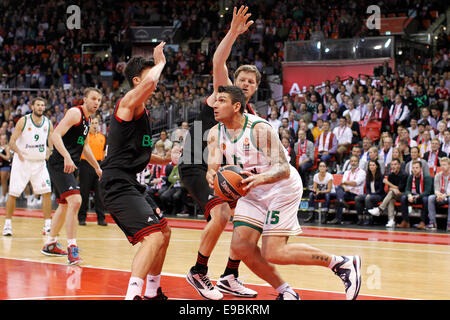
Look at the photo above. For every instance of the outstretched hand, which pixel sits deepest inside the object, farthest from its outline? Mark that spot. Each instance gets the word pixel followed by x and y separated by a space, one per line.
pixel 158 53
pixel 239 23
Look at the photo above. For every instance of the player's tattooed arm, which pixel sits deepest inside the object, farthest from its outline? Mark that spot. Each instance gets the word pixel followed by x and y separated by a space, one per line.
pixel 268 142
pixel 214 154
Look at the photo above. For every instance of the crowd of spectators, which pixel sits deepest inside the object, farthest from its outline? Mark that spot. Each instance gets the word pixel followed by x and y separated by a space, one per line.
pixel 37 51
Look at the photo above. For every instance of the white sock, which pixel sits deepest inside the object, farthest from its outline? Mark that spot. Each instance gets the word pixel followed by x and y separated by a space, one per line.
pixel 71 242
pixel 8 223
pixel 135 286
pixel 335 260
pixel 152 285
pixel 285 287
pixel 48 222
pixel 51 239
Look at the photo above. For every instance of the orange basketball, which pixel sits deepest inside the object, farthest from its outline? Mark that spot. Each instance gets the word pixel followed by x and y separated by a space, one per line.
pixel 228 183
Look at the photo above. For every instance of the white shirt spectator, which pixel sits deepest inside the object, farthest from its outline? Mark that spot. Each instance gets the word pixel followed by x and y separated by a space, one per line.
pixel 343 135
pixel 355 114
pixel 275 123
pixel 359 176
pixel 323 185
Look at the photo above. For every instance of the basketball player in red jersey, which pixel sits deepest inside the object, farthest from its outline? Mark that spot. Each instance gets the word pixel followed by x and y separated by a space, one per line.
pixel 193 168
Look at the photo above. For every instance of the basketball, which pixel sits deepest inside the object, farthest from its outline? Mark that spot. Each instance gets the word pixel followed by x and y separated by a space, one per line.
pixel 227 183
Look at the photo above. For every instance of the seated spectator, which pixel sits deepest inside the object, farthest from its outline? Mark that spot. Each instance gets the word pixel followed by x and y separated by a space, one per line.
pixel 303 113
pixel 320 114
pixel 285 125
pixel 420 131
pixel 273 120
pixel 352 185
pixel 356 151
pixel 441 194
pixel 373 155
pixel 426 115
pixel 374 193
pixel 172 198
pixel 334 121
pixel 157 183
pixel 362 107
pixel 386 151
pixel 441 127
pixel 425 146
pixel 415 155
pixel 354 126
pixel 303 125
pixel 404 134
pixel 432 157
pixel 396 182
pixel 381 114
pixel 418 188
pixel 366 145
pixel 344 136
pixel 323 188
pixel 167 143
pixel 370 114
pixel 398 113
pixel 396 154
pixel 292 122
pixel 446 144
pixel 286 142
pixel 413 128
pixel 318 129
pixel 159 149
pixel 326 143
pixel 304 155
pixel 354 113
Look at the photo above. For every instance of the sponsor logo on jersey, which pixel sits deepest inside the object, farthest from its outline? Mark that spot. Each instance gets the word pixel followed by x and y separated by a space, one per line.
pixel 224 146
pixel 246 145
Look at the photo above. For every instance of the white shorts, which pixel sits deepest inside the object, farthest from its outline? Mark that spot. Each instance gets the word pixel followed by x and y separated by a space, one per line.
pixel 26 171
pixel 272 209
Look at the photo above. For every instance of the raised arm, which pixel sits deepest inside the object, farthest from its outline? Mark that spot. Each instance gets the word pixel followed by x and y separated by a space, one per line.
pixel 238 26
pixel 269 143
pixel 136 97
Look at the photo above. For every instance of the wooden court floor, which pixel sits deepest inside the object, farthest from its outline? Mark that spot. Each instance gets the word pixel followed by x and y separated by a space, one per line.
pixel 395 265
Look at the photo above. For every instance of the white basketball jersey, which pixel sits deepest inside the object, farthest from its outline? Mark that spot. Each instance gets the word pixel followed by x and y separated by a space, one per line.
pixel 33 140
pixel 242 150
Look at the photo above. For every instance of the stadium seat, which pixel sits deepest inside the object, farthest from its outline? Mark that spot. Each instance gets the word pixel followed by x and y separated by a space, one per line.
pixel 373 130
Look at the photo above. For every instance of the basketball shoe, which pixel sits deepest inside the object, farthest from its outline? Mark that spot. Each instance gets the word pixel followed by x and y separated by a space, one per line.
pixel 159 296
pixel 232 285
pixel 73 256
pixel 201 283
pixel 288 296
pixel 7 230
pixel 349 270
pixel 53 249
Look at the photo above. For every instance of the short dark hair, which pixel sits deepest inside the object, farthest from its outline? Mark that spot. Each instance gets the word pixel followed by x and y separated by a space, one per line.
pixel 417 162
pixel 134 68
pixel 236 95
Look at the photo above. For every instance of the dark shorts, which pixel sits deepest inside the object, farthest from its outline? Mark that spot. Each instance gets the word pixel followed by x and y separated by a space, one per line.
pixel 65 183
pixel 193 178
pixel 125 199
